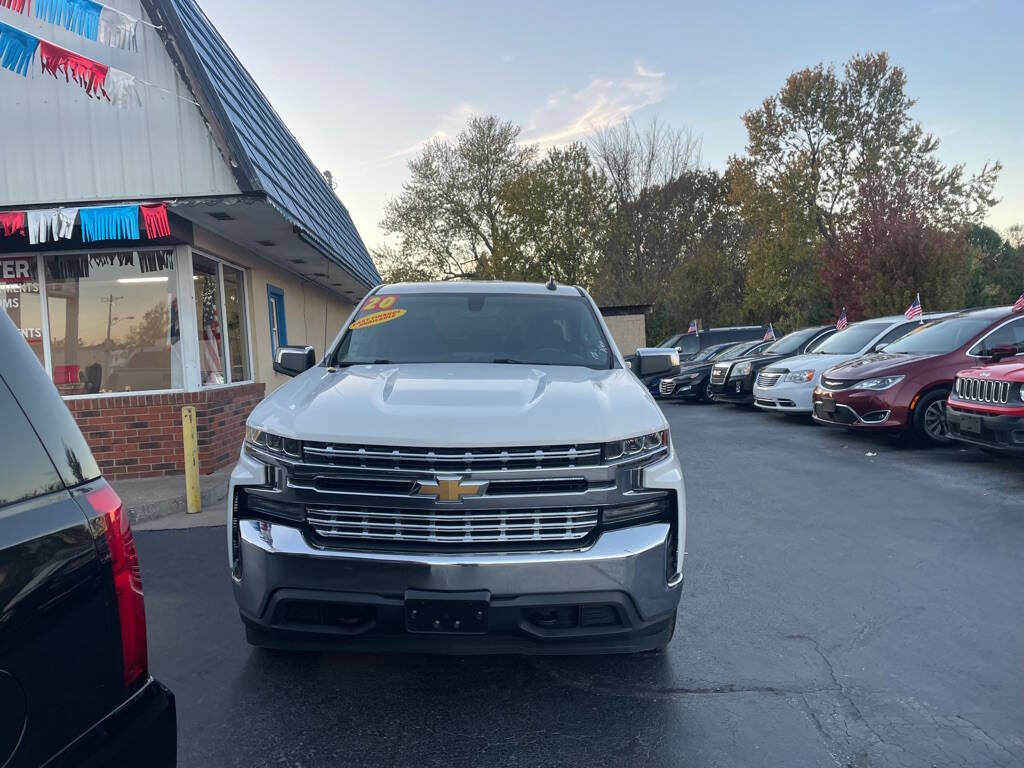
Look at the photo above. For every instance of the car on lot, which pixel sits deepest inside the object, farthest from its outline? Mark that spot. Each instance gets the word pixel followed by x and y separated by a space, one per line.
pixel 904 388
pixel 690 345
pixel 75 688
pixel 986 406
pixel 470 468
pixel 693 382
pixel 788 385
pixel 735 383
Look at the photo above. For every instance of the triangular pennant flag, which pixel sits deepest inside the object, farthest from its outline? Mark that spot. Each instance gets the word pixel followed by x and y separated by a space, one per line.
pixel 118 29
pixel 109 222
pixel 87 73
pixel 18 6
pixel 16 49
pixel 120 89
pixel 155 218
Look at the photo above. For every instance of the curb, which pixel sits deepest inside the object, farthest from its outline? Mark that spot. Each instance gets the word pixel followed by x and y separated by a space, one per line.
pixel 214 490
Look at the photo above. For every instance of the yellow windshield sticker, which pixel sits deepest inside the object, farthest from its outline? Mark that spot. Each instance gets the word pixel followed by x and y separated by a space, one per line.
pixel 376 318
pixel 379 302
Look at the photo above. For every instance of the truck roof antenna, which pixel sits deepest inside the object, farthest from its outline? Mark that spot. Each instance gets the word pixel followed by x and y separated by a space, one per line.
pixel 551 284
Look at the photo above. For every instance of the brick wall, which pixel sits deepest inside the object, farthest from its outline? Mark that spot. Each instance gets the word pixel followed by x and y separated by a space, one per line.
pixel 140 435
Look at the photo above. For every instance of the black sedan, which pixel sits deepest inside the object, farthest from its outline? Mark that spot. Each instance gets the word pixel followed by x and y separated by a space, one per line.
pixel 75 688
pixel 733 381
pixel 694 378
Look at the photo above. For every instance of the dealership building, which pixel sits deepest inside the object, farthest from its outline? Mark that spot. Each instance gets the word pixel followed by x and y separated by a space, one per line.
pixel 155 254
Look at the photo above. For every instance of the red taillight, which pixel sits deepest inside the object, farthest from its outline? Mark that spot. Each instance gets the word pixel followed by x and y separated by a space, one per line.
pixel 124 562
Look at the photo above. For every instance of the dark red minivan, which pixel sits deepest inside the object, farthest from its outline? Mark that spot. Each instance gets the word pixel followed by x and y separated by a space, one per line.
pixel 905 386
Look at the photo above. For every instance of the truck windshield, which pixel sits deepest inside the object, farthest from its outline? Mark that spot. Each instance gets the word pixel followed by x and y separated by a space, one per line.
pixel 852 340
pixel 445 327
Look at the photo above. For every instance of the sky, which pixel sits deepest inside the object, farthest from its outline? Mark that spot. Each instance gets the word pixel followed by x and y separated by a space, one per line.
pixel 363 84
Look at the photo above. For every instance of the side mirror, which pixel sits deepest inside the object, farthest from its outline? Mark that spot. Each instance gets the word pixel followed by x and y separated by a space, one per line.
pixel 679 349
pixel 655 361
pixel 291 361
pixel 880 347
pixel 1001 351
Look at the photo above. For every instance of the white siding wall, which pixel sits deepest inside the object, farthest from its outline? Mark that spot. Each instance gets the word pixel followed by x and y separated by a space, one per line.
pixel 61 146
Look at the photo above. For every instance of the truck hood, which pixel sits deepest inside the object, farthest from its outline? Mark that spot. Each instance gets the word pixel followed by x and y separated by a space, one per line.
pixel 878 364
pixel 460 405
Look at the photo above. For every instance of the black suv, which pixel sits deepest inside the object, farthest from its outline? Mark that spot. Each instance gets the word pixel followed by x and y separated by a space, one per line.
pixel 690 344
pixel 734 382
pixel 75 688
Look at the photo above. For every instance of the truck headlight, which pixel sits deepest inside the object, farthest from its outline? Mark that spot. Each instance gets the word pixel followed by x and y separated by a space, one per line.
pixel 271 443
pixel 882 382
pixel 800 377
pixel 639 447
pixel 741 369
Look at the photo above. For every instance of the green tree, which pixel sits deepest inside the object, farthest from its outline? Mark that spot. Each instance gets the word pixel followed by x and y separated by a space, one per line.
pixel 827 152
pixel 997 267
pixel 558 211
pixel 450 219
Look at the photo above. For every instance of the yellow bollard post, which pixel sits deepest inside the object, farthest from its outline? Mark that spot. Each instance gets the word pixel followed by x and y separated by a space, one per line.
pixel 188 430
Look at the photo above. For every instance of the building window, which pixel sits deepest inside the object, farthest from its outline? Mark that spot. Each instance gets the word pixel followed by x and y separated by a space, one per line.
pixel 234 311
pixel 278 329
pixel 113 322
pixel 220 293
pixel 19 293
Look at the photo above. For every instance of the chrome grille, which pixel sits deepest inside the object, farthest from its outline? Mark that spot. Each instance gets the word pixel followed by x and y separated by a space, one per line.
pixel 453 527
pixel 719 374
pixel 666 386
pixel 768 377
pixel 983 390
pixel 451 459
pixel 835 384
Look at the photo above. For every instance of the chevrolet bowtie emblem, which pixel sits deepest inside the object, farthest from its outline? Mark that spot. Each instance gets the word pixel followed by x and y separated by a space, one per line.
pixel 449 488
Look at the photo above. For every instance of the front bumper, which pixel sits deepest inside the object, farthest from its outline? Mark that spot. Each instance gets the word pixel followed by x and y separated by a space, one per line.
pixel 292 594
pixel 999 431
pixel 860 409
pixel 737 390
pixel 785 396
pixel 617 593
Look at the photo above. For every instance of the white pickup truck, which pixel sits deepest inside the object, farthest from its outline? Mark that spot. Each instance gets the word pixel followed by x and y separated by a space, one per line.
pixel 471 467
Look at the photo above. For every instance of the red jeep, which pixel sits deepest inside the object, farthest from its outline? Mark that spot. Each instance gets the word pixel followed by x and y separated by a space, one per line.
pixel 986 406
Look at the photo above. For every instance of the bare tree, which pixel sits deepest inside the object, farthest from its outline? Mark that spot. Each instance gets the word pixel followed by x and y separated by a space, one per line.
pixel 651 171
pixel 637 158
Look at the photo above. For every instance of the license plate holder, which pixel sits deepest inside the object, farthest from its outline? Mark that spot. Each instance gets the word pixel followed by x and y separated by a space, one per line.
pixel 447 613
pixel 970 422
pixel 828 405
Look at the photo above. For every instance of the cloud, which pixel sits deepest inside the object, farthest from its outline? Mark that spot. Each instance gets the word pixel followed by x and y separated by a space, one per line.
pixel 507 57
pixel 566 117
pixel 448 126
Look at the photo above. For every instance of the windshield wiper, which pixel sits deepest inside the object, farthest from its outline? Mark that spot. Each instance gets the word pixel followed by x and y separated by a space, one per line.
pixel 509 361
pixel 346 363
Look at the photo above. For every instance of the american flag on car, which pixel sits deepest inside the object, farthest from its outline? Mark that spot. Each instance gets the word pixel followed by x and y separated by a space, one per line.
pixel 914 310
pixel 1018 305
pixel 842 322
pixel 693 325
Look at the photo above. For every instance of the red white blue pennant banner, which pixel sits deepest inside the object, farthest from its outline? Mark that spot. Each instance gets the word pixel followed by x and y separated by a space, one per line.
pixel 18 48
pixel 87 18
pixel 98 222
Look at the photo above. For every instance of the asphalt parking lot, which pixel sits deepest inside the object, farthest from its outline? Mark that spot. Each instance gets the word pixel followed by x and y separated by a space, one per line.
pixel 849 601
